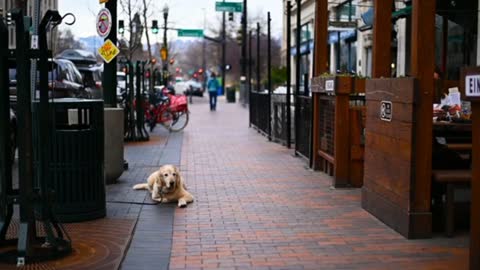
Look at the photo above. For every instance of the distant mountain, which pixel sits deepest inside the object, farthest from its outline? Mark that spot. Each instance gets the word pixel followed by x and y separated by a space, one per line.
pixel 92 44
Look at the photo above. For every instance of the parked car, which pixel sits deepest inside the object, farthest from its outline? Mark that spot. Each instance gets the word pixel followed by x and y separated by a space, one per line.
pixel 67 81
pixel 92 79
pixel 86 63
pixel 78 57
pixel 64 81
pixel 194 87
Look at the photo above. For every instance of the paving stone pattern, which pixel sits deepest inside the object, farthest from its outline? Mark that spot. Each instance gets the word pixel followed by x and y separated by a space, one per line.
pixel 257 207
pixel 152 240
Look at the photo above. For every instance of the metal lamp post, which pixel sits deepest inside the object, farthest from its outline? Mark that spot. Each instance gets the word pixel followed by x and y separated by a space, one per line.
pixel 165 44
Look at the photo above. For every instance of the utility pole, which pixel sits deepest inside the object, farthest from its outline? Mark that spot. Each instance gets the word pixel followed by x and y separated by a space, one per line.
pixel 165 44
pixel 297 70
pixel 269 76
pixel 109 80
pixel 249 83
pixel 243 60
pixel 223 51
pixel 258 57
pixel 204 51
pixel 289 73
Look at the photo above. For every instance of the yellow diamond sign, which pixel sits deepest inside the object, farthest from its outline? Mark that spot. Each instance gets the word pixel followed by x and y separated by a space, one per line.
pixel 108 51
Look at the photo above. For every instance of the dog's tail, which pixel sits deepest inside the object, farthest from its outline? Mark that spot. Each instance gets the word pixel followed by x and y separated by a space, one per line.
pixel 140 186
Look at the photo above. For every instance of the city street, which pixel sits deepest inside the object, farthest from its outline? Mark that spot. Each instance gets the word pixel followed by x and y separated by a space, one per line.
pixel 258 207
pixel 312 134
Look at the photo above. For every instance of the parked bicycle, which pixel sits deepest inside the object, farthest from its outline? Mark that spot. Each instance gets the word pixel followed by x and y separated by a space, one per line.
pixel 167 109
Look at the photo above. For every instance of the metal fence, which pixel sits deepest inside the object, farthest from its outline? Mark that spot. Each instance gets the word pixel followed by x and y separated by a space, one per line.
pixel 259 110
pixel 304 126
pixel 279 118
pixel 327 123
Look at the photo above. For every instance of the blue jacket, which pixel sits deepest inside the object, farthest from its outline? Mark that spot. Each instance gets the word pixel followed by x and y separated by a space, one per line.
pixel 213 85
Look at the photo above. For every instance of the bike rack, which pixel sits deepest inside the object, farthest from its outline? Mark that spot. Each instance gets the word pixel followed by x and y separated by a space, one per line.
pixel 135 129
pixel 33 197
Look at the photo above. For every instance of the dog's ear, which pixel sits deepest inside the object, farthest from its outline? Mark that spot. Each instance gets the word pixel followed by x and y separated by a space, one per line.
pixel 160 179
pixel 178 178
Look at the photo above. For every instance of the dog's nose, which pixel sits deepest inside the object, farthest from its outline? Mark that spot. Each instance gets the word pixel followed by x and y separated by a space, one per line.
pixel 172 183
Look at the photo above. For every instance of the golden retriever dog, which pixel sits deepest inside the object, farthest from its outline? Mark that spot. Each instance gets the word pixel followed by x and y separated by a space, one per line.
pixel 167 185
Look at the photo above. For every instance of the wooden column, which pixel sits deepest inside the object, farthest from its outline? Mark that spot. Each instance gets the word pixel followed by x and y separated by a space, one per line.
pixel 382 36
pixel 320 67
pixel 475 204
pixel 423 65
pixel 321 35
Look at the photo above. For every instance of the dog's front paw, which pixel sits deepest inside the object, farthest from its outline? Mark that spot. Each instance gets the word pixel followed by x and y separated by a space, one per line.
pixel 182 203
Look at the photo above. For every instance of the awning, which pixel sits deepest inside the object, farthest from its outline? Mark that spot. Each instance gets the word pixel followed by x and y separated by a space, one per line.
pixel 368 17
pixel 305 48
pixel 350 34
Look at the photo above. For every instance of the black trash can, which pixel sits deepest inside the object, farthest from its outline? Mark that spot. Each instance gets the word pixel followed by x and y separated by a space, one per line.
pixel 76 167
pixel 230 94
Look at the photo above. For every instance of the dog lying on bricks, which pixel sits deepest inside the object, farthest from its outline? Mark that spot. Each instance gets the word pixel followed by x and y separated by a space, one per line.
pixel 167 185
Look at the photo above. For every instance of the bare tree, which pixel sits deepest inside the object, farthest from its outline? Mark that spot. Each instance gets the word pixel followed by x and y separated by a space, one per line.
pixel 132 10
pixel 145 21
pixel 66 40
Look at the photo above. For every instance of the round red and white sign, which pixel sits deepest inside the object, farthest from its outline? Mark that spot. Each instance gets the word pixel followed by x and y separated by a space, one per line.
pixel 104 22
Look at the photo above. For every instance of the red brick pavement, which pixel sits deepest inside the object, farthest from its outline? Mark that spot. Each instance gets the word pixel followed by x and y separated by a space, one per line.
pixel 257 207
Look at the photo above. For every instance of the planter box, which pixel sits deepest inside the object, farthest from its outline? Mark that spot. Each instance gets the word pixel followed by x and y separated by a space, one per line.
pixel 338 129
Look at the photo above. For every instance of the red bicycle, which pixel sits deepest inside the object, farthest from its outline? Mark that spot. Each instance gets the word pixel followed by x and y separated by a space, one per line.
pixel 169 110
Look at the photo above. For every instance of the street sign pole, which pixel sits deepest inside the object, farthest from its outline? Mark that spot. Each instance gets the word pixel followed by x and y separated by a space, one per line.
pixel 243 61
pixel 223 51
pixel 109 80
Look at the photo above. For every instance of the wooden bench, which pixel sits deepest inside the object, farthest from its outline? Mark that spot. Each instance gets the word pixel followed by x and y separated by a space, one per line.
pixel 452 179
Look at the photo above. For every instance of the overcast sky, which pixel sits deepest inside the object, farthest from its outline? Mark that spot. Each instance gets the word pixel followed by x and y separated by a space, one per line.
pixel 188 14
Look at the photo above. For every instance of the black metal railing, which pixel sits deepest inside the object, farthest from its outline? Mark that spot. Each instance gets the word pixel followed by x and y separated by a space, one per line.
pixel 327 124
pixel 304 126
pixel 279 119
pixel 260 111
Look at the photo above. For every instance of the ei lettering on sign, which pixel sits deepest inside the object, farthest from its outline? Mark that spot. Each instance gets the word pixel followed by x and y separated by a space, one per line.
pixel 386 111
pixel 472 86
pixel 329 85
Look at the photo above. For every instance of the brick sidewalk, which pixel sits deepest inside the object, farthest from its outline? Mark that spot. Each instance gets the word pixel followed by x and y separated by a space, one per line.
pixel 257 207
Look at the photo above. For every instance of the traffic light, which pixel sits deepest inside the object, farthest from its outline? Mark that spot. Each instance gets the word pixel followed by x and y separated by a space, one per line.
pixel 154 61
pixel 121 27
pixel 230 16
pixel 239 37
pixel 154 27
pixel 200 71
pixel 172 61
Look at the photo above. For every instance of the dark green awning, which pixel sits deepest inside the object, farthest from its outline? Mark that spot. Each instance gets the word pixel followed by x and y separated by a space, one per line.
pixel 402 13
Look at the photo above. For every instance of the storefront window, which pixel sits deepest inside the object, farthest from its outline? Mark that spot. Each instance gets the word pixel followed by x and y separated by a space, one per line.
pixel 306 34
pixel 346 11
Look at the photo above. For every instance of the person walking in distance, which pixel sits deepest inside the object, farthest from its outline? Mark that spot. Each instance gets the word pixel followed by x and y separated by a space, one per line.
pixel 212 86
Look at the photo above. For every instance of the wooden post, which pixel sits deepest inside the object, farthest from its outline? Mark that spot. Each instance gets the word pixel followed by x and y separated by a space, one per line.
pixel 475 204
pixel 423 65
pixel 320 66
pixel 341 168
pixel 321 35
pixel 382 36
pixel 469 79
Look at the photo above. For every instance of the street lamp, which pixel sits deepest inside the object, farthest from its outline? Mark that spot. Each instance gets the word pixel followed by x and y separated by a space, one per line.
pixel 165 44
